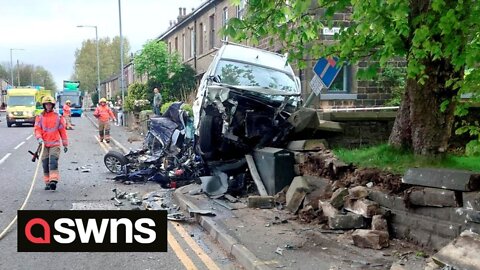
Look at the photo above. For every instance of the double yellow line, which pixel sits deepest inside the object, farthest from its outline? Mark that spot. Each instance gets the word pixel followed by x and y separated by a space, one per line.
pixel 173 243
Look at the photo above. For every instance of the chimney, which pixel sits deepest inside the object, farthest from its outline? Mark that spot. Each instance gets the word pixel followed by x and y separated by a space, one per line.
pixel 184 11
pixel 179 11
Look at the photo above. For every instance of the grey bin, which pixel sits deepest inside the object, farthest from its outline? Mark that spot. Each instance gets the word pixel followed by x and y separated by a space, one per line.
pixel 275 166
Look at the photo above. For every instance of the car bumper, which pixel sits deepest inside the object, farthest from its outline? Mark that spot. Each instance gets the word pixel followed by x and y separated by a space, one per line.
pixel 29 120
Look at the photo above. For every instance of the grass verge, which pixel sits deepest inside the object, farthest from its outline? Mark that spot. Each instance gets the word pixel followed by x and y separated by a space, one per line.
pixel 398 161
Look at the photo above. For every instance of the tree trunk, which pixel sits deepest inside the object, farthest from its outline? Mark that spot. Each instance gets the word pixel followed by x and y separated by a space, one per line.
pixel 420 123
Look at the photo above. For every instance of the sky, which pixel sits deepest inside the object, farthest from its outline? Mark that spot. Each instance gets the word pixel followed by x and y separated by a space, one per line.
pixel 46 29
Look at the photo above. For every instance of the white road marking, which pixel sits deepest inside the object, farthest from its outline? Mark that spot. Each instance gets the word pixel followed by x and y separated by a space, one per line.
pixel 20 144
pixel 5 158
pixel 28 138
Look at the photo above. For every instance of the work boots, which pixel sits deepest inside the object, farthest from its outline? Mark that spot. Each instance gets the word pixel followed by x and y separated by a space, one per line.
pixel 47 186
pixel 53 185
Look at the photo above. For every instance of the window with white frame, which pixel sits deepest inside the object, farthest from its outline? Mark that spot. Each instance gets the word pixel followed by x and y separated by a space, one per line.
pixel 341 83
pixel 225 20
pixel 184 46
pixel 212 32
pixel 241 9
pixel 192 42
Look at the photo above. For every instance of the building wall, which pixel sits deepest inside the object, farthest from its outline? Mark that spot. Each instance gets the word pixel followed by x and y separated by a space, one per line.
pixel 208 19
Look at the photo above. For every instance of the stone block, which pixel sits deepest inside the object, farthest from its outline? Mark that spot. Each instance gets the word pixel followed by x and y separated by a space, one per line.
pixel 338 197
pixel 472 216
pixel 461 253
pixel 432 197
pixel 304 185
pixel 362 207
pixel 313 197
pixel 296 201
pixel 264 202
pixel 328 209
pixel 379 223
pixel 370 239
pixel 346 222
pixel 471 200
pixel 443 178
pixel 300 157
pixel 358 192
pixel 307 145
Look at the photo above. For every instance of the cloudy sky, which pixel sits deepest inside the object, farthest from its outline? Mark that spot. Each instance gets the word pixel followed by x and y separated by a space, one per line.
pixel 46 29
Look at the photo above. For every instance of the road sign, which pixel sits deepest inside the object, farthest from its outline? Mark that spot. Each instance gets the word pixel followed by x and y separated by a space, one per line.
pixel 327 70
pixel 316 84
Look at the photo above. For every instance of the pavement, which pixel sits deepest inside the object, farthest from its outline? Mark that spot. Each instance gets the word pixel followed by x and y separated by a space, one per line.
pixel 275 239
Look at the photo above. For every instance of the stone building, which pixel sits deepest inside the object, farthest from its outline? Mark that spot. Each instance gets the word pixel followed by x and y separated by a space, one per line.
pixel 196 37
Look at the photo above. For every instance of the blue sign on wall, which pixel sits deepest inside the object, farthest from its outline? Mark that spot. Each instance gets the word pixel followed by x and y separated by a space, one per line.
pixel 327 70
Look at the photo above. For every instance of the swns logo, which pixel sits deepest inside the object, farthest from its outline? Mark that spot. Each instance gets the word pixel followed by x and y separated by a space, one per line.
pixel 92 231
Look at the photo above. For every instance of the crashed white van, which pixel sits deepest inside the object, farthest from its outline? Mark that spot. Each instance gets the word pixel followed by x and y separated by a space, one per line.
pixel 243 101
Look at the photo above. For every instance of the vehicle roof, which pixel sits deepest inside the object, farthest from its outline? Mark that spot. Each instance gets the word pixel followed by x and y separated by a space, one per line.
pixel 254 55
pixel 20 91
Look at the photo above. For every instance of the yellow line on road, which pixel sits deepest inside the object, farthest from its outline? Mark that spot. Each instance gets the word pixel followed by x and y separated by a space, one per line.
pixel 195 247
pixel 180 253
pixel 101 144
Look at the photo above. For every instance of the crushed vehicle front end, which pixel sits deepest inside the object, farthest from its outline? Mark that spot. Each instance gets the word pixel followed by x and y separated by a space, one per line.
pixel 245 104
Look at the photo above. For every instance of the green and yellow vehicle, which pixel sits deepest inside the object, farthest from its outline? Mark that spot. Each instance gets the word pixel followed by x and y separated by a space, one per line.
pixel 23 104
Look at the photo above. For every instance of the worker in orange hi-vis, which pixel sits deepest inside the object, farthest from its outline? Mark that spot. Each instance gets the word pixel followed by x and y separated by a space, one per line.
pixel 103 113
pixel 49 130
pixel 67 113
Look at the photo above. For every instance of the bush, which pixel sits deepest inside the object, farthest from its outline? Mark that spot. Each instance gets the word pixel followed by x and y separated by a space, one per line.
pixel 136 99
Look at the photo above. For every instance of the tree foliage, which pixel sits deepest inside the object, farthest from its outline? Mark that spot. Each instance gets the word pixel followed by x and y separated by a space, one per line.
pixel 28 75
pixel 164 70
pixel 85 69
pixel 437 38
pixel 156 62
pixel 136 92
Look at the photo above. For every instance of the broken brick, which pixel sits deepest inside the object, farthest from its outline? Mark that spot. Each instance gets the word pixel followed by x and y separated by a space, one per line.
pixel 301 186
pixel 338 197
pixel 362 207
pixel 461 253
pixel 370 239
pixel 358 192
pixel 379 223
pixel 346 222
pixel 328 209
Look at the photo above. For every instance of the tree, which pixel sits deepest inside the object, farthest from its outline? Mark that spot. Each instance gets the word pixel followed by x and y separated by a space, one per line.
pixel 85 69
pixel 437 38
pixel 4 73
pixel 157 63
pixel 183 83
pixel 29 75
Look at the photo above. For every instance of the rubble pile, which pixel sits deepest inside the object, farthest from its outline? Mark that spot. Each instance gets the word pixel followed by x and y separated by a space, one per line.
pixel 342 197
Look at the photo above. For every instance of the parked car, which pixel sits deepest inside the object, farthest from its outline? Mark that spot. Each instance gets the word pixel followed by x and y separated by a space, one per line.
pixel 243 101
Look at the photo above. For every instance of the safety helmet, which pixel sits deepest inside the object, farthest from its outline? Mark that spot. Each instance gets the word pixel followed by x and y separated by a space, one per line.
pixel 68 102
pixel 48 99
pixel 103 100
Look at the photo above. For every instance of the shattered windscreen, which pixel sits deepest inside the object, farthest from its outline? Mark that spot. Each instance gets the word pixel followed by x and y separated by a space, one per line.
pixel 245 74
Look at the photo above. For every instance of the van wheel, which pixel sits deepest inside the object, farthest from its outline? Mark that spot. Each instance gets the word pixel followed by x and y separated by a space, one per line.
pixel 205 136
pixel 114 161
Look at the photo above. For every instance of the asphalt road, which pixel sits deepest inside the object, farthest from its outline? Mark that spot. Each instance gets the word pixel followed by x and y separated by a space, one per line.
pixel 189 247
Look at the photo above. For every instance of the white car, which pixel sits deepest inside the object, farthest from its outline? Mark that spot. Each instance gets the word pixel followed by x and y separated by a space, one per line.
pixel 243 101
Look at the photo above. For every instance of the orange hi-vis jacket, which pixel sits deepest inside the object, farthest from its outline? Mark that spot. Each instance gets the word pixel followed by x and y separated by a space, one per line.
pixel 50 126
pixel 103 113
pixel 66 110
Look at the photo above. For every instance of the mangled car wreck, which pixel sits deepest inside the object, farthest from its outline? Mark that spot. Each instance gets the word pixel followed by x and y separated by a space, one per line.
pixel 243 102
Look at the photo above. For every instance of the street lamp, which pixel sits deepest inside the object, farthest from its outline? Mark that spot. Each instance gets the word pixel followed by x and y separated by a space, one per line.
pixel 98 58
pixel 11 64
pixel 122 82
